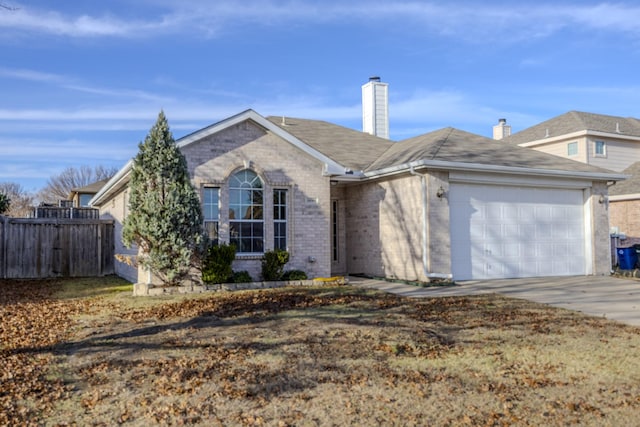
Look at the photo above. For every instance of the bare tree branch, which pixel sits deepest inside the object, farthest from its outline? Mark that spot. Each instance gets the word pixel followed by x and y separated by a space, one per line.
pixel 59 186
pixel 21 201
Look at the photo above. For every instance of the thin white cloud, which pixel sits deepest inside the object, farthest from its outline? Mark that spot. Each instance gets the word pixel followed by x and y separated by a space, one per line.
pixel 75 84
pixel 462 20
pixel 50 22
pixel 31 75
pixel 46 150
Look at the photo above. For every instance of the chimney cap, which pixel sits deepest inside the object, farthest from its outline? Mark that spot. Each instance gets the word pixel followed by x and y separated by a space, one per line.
pixel 374 79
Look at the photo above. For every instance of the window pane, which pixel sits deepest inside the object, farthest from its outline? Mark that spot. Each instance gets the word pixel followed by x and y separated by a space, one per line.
pixel 234 196
pixel 211 203
pixel 247 236
pixel 280 219
pixel 246 212
pixel 211 227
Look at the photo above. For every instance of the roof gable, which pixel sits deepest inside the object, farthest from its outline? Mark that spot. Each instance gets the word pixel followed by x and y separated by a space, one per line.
pixel 332 166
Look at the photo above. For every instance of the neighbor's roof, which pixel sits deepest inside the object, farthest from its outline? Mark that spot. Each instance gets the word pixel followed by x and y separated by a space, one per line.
pixel 629 186
pixel 577 121
pixel 91 188
pixel 451 145
pixel 351 148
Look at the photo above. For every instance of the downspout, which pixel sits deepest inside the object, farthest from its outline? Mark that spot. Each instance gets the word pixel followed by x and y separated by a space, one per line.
pixel 426 258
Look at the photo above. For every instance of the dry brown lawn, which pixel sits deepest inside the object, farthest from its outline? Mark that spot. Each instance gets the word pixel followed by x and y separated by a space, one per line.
pixel 84 352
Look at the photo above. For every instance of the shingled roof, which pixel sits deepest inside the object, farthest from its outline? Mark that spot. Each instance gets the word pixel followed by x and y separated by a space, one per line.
pixel 454 145
pixel 629 186
pixel 576 121
pixel 351 148
pixel 361 151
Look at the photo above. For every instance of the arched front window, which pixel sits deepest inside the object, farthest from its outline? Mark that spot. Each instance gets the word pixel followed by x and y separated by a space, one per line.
pixel 246 212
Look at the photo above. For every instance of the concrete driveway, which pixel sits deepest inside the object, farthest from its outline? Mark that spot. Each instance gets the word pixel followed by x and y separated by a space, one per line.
pixel 602 296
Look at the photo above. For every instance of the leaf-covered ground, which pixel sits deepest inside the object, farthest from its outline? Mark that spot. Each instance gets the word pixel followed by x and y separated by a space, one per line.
pixel 78 352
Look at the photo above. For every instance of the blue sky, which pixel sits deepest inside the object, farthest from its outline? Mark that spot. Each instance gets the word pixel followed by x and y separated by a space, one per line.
pixel 82 82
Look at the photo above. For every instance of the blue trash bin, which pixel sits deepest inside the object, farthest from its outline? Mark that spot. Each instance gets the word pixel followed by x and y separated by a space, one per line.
pixel 627 258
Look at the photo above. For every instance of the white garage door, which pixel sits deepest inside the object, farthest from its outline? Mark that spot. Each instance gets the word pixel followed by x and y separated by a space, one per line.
pixel 508 232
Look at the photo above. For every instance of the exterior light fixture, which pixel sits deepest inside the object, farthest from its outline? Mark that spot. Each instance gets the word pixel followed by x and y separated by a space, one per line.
pixel 440 192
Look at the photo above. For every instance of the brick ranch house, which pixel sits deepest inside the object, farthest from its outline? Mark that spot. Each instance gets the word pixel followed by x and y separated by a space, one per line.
pixel 447 204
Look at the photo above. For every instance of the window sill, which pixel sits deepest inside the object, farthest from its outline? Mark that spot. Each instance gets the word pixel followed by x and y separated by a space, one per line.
pixel 249 256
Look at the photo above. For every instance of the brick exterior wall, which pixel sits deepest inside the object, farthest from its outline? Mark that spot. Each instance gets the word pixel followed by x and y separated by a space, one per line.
pixel 625 215
pixel 280 165
pixel 385 230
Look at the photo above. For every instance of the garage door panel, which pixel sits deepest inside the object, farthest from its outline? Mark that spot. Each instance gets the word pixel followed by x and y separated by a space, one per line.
pixel 505 231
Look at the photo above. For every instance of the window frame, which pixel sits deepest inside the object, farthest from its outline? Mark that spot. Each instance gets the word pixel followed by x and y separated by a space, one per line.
pixel 335 236
pixel 208 215
pixel 280 219
pixel 602 144
pixel 246 198
pixel 572 149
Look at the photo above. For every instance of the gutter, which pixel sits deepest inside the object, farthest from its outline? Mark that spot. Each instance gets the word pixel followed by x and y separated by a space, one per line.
pixel 426 254
pixel 479 167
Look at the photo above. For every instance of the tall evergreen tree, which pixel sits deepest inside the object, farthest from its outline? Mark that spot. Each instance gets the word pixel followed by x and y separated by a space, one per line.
pixel 165 218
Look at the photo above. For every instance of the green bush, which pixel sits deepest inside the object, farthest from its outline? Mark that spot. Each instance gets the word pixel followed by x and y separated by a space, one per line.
pixel 216 266
pixel 294 275
pixel 242 277
pixel 273 264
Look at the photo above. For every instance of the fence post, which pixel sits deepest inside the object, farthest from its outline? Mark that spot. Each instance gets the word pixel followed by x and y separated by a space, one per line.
pixel 4 244
pixel 100 266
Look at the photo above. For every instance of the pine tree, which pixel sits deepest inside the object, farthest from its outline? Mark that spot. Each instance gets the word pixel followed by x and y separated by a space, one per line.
pixel 165 218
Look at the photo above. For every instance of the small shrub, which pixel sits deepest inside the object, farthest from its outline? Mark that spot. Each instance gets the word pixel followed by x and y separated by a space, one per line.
pixel 242 277
pixel 216 266
pixel 273 264
pixel 294 275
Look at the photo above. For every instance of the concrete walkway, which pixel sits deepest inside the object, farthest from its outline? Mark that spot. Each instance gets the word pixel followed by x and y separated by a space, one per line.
pixel 602 296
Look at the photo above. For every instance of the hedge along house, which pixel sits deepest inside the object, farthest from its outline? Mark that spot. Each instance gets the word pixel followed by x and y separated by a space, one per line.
pixel 447 204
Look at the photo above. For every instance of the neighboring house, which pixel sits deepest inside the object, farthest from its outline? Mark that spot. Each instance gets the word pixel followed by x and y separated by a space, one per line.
pixel 76 207
pixel 81 196
pixel 447 204
pixel 610 142
pixel 596 139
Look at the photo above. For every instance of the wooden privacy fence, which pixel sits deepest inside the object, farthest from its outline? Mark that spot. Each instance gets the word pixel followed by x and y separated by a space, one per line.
pixel 50 247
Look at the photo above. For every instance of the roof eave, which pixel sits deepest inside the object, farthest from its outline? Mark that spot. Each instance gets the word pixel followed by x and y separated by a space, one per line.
pixel 578 134
pixel 479 167
pixel 112 186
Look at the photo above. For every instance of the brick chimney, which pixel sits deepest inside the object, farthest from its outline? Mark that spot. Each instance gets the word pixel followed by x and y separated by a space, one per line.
pixel 375 108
